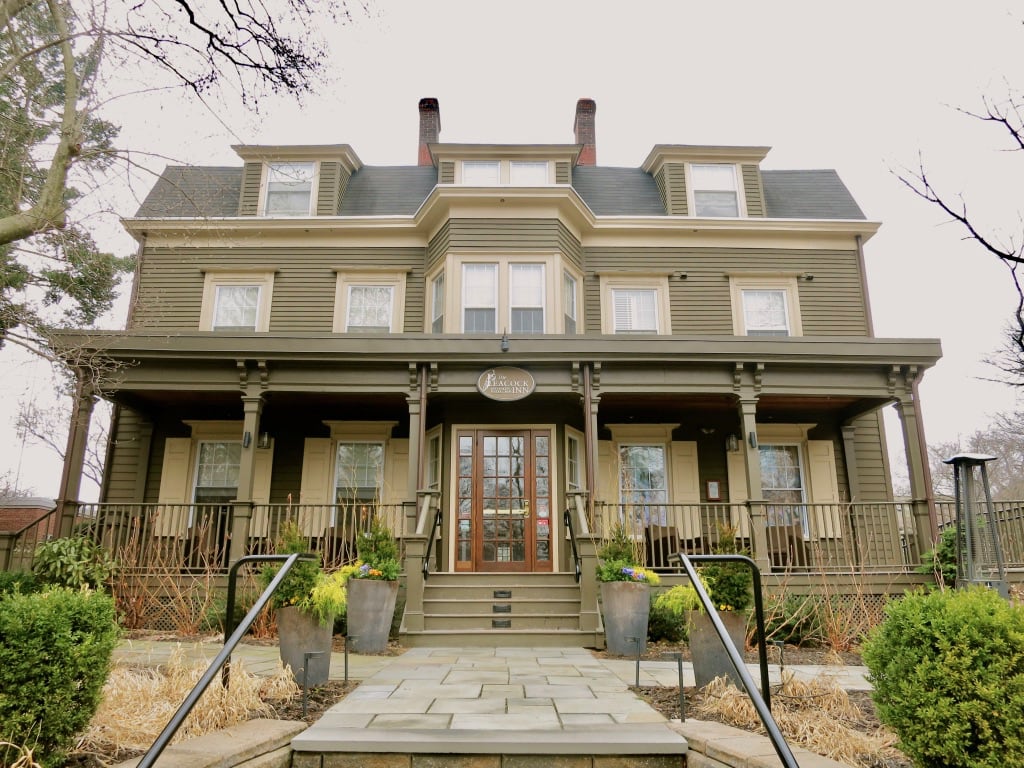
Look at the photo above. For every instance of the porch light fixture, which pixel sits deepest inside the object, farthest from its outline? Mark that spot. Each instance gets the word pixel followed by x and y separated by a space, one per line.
pixel 732 443
pixel 504 341
pixel 263 441
pixel 807 276
pixel 246 439
pixel 752 439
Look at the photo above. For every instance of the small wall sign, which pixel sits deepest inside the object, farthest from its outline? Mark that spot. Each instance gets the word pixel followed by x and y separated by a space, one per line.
pixel 506 384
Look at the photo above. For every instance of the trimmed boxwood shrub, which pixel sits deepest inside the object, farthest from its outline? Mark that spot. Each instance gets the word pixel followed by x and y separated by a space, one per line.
pixel 948 675
pixel 55 651
pixel 18 581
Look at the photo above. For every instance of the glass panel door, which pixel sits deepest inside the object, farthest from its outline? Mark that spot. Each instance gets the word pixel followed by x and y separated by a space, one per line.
pixel 503 505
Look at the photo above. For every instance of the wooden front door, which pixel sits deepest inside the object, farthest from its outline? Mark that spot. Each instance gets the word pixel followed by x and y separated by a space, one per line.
pixel 504 500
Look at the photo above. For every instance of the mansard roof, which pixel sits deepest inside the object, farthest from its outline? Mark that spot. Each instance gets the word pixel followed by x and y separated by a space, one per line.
pixel 213 192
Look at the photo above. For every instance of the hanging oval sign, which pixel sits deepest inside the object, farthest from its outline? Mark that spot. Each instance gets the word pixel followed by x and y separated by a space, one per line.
pixel 506 384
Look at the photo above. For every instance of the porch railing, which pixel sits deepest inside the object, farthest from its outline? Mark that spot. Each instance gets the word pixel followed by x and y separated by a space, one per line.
pixel 866 537
pixel 1008 516
pixel 146 537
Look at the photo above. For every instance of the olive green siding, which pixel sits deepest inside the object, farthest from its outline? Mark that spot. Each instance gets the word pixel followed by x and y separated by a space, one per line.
pixel 249 200
pixel 438 246
pixel 675 190
pixel 446 172
pixel 659 182
pixel 570 246
pixel 871 461
pixel 832 304
pixel 123 471
pixel 333 181
pixel 515 234
pixel 171 289
pixel 753 190
pixel 563 174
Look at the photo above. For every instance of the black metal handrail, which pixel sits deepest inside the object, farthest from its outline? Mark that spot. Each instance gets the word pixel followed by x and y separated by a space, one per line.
pixel 572 544
pixel 434 528
pixel 761 703
pixel 229 645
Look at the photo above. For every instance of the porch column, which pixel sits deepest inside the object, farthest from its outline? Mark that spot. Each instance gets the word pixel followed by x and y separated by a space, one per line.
pixel 758 518
pixel 252 407
pixel 591 402
pixel 415 477
pixel 925 527
pixel 74 456
pixel 850 459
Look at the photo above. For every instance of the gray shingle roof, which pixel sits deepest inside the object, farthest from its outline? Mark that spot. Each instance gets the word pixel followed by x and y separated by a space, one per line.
pixel 187 191
pixel 618 191
pixel 191 191
pixel 395 191
pixel 808 195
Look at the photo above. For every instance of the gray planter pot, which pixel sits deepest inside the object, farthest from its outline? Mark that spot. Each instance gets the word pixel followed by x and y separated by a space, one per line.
pixel 371 609
pixel 625 607
pixel 710 659
pixel 298 634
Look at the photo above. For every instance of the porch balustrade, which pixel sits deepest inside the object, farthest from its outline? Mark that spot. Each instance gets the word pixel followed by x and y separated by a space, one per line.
pixel 819 538
pixel 860 537
pixel 147 537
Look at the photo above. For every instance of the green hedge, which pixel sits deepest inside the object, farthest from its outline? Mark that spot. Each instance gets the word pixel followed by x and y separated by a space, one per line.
pixel 948 675
pixel 55 651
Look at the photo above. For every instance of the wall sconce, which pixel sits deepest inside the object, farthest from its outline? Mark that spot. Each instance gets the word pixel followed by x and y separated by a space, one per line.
pixel 504 341
pixel 263 441
pixel 246 439
pixel 732 443
pixel 752 439
pixel 807 276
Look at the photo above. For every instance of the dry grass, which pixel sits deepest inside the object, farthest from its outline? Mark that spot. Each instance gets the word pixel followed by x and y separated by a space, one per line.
pixel 817 715
pixel 22 757
pixel 138 702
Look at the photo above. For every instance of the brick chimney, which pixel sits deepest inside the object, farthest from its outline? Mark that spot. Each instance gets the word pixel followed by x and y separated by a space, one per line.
pixel 430 129
pixel 583 127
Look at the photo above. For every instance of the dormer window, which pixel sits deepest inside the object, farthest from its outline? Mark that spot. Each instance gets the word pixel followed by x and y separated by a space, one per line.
pixel 515 173
pixel 289 189
pixel 714 190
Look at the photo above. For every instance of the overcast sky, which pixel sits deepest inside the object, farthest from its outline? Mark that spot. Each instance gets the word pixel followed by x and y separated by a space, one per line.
pixel 865 88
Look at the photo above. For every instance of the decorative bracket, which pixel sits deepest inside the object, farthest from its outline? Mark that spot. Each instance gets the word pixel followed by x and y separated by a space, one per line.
pixel 758 375
pixel 575 377
pixel 433 377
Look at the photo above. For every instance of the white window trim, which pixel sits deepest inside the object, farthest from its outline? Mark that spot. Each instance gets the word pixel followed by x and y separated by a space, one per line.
pixel 577 295
pixel 740 283
pixel 505 170
pixel 554 265
pixel 612 283
pixel 741 197
pixel 573 435
pixel 314 185
pixel 346 280
pixel 264 279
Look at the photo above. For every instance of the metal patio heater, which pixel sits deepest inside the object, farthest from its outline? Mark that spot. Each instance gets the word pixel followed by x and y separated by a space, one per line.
pixel 979 553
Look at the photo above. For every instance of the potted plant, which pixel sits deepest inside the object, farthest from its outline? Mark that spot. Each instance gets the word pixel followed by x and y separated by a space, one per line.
pixel 729 586
pixel 373 590
pixel 306 602
pixel 625 594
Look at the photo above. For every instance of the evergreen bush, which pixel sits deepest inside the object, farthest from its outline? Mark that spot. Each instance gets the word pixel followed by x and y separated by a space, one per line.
pixel 948 675
pixel 54 660
pixel 668 617
pixel 23 582
pixel 73 562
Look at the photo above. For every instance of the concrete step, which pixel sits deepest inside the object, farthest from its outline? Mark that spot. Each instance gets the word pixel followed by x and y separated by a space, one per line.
pixel 502 638
pixel 504 621
pixel 477 606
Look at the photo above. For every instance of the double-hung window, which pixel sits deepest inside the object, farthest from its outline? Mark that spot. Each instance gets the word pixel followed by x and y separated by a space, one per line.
pixel 526 298
pixel 236 307
pixel 480 298
pixel 569 286
pixel 437 299
pixel 289 189
pixel 236 301
pixel 636 310
pixel 359 472
pixel 782 484
pixel 369 302
pixel 643 484
pixel 217 470
pixel 765 312
pixel 714 190
pixel 765 305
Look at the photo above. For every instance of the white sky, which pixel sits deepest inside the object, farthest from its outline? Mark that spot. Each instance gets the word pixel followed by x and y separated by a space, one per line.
pixel 859 87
